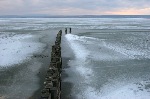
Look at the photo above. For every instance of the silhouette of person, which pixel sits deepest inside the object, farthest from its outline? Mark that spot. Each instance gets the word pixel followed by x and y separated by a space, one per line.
pixel 70 30
pixel 66 30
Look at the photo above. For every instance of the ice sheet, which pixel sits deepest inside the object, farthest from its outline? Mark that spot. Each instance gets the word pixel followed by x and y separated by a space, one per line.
pixel 139 90
pixel 80 23
pixel 16 49
pixel 84 54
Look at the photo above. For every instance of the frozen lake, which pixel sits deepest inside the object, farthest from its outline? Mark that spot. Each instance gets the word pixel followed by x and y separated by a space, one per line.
pixel 104 58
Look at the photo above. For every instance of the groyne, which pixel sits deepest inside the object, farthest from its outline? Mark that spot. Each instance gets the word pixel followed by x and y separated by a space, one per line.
pixel 52 83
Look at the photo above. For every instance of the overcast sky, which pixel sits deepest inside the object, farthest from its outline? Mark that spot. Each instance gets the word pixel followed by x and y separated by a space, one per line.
pixel 74 7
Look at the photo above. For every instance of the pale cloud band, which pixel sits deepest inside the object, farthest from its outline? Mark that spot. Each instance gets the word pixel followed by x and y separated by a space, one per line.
pixel 74 7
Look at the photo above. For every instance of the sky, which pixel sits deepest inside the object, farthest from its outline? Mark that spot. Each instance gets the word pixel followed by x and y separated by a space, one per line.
pixel 75 7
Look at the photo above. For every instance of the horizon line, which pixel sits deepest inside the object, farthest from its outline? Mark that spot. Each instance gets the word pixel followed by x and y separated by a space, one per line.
pixel 74 16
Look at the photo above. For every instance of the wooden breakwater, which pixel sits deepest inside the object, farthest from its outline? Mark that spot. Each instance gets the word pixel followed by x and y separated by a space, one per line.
pixel 52 83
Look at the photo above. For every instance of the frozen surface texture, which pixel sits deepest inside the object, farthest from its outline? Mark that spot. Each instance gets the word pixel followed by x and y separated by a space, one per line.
pixel 102 71
pixel 17 48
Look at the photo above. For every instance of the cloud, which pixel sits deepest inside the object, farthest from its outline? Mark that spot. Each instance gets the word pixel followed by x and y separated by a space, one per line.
pixel 74 7
pixel 130 11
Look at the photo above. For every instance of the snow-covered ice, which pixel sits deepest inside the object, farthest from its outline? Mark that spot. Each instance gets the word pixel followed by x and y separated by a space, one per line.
pixel 16 49
pixel 88 49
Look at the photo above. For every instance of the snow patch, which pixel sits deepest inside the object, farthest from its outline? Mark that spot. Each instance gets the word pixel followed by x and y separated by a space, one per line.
pixel 81 55
pixel 17 48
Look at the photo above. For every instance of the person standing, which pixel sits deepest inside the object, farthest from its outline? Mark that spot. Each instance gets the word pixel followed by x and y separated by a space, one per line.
pixel 66 30
pixel 70 30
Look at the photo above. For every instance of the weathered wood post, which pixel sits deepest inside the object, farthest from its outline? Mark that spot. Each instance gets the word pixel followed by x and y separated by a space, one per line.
pixel 52 84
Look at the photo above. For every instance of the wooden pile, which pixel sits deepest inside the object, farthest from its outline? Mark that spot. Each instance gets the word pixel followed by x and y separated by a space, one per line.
pixel 52 84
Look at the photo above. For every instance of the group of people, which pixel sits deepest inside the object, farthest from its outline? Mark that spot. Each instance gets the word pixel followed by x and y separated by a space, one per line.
pixel 66 30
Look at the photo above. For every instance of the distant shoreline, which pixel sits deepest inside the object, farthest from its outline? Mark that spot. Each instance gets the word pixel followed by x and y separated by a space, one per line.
pixel 74 16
